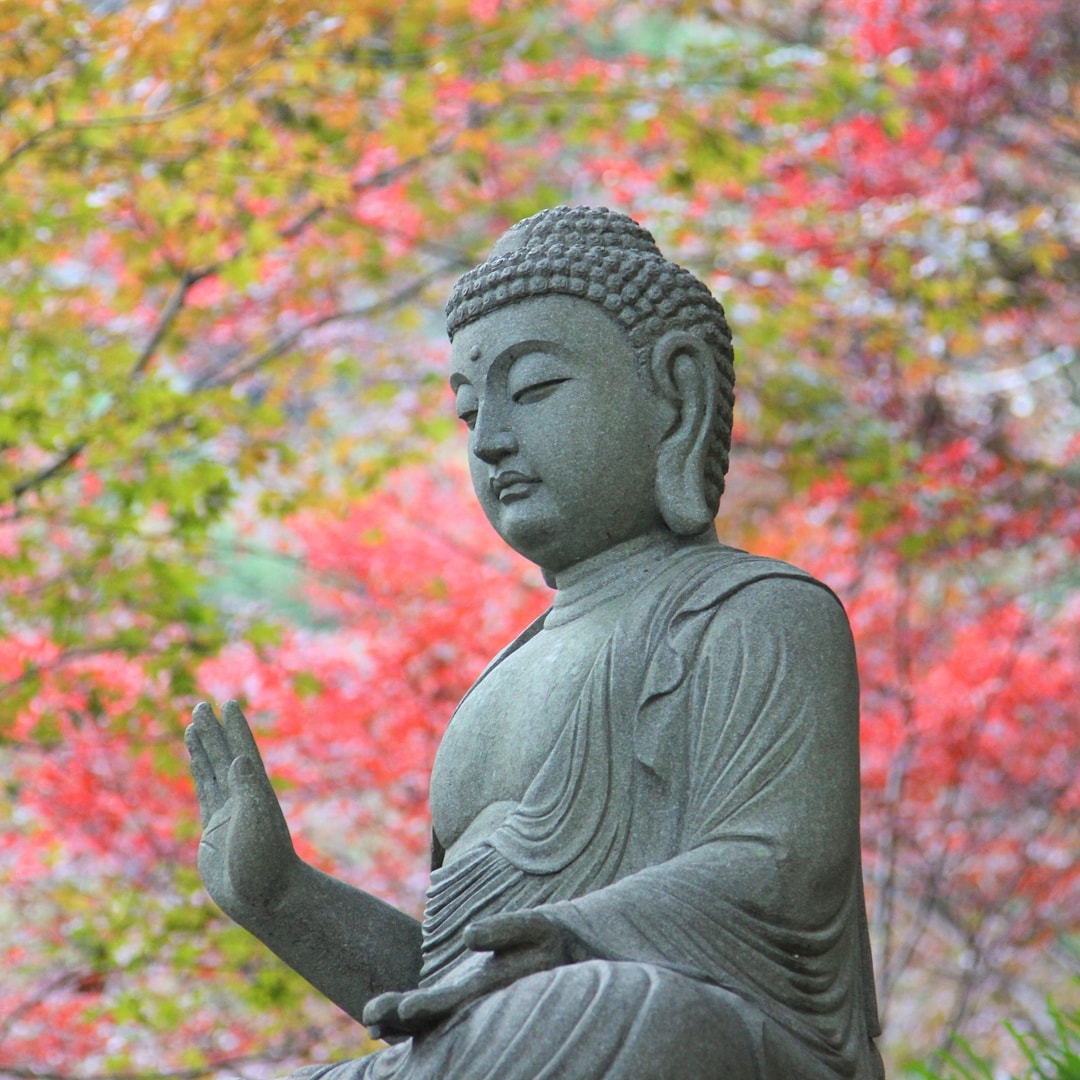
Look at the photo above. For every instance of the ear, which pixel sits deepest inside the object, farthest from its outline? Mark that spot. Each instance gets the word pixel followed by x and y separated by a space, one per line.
pixel 684 373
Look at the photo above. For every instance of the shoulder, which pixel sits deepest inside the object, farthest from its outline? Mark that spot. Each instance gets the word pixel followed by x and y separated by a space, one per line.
pixel 746 611
pixel 782 644
pixel 780 626
pixel 773 595
pixel 778 592
pixel 753 649
pixel 730 610
pixel 746 585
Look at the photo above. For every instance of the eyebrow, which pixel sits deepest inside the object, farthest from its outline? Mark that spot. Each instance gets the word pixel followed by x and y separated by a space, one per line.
pixel 514 352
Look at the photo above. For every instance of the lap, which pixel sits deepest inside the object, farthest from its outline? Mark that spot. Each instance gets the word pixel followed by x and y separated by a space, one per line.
pixel 596 1020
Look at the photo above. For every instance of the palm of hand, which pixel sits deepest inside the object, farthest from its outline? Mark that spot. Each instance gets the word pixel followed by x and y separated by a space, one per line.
pixel 246 854
pixel 520 943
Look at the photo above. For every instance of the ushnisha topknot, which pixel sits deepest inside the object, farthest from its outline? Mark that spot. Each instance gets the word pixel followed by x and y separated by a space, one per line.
pixel 608 259
pixel 585 251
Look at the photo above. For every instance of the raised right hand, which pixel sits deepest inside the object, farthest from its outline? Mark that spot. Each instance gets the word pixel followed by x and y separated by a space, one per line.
pixel 246 856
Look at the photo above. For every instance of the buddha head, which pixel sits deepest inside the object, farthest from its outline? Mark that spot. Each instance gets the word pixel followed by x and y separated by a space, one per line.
pixel 597 381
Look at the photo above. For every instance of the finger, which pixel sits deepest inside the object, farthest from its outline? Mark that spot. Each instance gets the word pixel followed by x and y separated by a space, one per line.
pixel 238 733
pixel 423 1008
pixel 213 740
pixel 255 798
pixel 244 854
pixel 382 1008
pixel 206 786
pixel 420 1010
pixel 510 930
pixel 381 1018
pixel 257 817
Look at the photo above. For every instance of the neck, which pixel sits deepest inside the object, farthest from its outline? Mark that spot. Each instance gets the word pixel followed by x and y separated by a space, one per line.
pixel 616 572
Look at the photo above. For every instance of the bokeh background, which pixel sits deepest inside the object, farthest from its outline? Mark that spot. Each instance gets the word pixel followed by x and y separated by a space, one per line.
pixel 228 464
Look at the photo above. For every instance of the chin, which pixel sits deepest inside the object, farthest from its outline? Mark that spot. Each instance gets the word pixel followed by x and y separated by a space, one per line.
pixel 532 539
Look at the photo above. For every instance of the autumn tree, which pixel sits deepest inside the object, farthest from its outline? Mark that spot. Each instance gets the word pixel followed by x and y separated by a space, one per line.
pixel 227 233
pixel 926 418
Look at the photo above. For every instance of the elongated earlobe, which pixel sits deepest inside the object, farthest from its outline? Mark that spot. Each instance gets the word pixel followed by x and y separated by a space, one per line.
pixel 684 373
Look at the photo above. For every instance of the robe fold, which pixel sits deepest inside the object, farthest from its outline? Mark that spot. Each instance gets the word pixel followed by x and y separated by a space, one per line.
pixel 695 826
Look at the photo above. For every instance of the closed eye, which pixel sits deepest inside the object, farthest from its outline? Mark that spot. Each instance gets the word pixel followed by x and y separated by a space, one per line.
pixel 468 416
pixel 538 391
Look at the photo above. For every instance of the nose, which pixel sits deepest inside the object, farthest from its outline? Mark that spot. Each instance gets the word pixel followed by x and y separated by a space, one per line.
pixel 493 438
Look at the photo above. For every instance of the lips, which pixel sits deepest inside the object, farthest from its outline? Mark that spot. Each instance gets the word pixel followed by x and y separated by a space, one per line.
pixel 509 485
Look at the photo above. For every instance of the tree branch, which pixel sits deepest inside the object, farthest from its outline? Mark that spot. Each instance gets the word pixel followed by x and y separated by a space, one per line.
pixel 31 671
pixel 290 1048
pixel 27 1005
pixel 165 318
pixel 43 476
pixel 132 120
pixel 161 326
pixel 285 342
pixel 380 179
pixel 889 841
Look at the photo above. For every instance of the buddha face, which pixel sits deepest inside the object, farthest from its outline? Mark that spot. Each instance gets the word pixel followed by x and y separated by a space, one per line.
pixel 563 430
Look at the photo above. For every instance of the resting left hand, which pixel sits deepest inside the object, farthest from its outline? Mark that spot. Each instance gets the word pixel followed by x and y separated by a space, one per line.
pixel 520 943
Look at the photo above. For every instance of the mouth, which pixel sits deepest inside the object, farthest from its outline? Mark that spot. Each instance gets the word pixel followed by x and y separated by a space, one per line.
pixel 510 486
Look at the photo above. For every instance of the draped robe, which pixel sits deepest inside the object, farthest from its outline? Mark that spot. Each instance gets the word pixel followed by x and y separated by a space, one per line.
pixel 695 825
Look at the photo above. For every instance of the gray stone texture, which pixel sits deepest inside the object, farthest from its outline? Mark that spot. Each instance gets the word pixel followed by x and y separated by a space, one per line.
pixel 646 810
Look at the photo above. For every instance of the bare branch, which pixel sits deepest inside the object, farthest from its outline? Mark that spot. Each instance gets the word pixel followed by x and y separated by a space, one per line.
pixel 31 671
pixel 43 476
pixel 888 848
pixel 65 978
pixel 131 120
pixel 290 1048
pixel 380 179
pixel 161 326
pixel 165 319
pixel 285 342
pixel 27 145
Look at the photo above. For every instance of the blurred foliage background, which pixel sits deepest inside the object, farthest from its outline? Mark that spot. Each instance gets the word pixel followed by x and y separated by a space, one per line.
pixel 227 456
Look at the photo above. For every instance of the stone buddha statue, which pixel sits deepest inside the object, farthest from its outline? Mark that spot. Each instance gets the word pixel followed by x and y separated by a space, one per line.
pixel 646 810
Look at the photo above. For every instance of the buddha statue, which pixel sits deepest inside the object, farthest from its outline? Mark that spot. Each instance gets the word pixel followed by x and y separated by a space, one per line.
pixel 646 810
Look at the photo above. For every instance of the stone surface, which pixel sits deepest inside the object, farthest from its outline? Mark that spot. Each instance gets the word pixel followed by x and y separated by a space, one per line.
pixel 647 807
